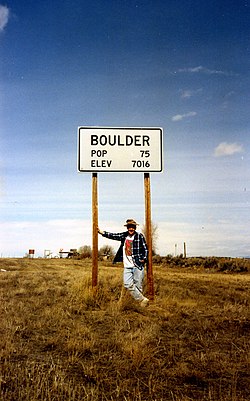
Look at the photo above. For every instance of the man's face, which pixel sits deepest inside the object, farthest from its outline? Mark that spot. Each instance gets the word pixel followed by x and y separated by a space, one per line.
pixel 131 230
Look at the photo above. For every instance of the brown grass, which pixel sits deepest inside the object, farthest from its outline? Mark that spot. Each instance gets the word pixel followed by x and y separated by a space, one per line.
pixel 61 343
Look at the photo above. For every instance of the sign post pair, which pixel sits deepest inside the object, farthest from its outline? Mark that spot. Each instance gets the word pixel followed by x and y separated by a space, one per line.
pixel 113 149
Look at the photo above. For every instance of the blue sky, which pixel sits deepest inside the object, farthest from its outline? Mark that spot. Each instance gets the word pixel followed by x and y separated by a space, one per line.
pixel 180 65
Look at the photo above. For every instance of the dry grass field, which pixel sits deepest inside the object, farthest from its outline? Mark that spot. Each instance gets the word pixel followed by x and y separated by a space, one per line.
pixel 60 343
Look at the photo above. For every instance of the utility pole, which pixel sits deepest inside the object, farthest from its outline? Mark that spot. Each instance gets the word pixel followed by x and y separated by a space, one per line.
pixel 94 232
pixel 148 224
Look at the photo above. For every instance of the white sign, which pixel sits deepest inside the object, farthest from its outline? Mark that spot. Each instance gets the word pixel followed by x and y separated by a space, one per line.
pixel 120 149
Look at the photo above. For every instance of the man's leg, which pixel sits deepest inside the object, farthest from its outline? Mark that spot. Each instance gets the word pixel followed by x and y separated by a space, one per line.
pixel 138 282
pixel 138 278
pixel 129 283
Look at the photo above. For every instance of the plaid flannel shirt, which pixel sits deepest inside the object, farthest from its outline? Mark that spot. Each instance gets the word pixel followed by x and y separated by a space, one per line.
pixel 139 247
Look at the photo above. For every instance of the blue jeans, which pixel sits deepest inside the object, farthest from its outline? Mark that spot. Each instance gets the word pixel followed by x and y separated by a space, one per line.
pixel 133 281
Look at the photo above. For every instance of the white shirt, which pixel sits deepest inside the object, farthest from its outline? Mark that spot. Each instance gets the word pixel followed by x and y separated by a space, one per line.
pixel 127 252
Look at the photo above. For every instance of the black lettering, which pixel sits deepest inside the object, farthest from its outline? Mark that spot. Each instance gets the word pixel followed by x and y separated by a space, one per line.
pixel 110 140
pixel 145 140
pixel 137 140
pixel 101 163
pixel 94 140
pixel 103 140
pixel 129 140
pixel 119 141
pixel 114 140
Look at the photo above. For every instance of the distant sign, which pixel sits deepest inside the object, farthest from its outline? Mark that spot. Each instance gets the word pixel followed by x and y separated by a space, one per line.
pixel 120 149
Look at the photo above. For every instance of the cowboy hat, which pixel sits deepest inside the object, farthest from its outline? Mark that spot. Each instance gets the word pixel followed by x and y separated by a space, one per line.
pixel 130 222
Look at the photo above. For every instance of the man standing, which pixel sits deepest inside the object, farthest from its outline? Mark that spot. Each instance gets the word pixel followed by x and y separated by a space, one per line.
pixel 133 252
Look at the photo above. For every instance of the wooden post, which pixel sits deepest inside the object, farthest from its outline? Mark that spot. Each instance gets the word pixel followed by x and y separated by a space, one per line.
pixel 94 231
pixel 185 250
pixel 148 224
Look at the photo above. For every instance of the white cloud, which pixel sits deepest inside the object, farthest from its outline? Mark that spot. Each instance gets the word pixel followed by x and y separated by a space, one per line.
pixel 227 149
pixel 217 239
pixel 204 70
pixel 179 117
pixel 4 17
pixel 17 238
pixel 187 93
pixel 221 237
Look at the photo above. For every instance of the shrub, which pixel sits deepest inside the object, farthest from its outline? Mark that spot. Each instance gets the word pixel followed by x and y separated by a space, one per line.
pixel 85 251
pixel 106 252
pixel 211 263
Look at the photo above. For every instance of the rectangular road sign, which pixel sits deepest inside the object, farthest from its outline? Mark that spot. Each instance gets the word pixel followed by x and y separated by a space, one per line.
pixel 120 149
